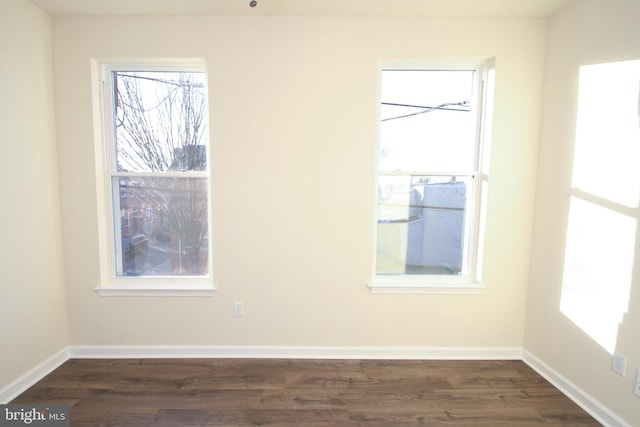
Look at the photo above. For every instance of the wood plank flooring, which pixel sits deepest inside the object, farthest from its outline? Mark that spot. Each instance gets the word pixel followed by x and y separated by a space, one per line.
pixel 270 392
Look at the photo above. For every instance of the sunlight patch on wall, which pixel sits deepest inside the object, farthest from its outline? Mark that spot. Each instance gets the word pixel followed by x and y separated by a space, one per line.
pixel 607 151
pixel 597 272
pixel 601 234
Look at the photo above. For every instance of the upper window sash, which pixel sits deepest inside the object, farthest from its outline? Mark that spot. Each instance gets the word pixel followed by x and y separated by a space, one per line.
pixel 109 87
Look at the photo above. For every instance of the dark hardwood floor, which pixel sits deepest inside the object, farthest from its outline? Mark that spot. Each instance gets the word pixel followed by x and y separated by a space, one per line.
pixel 249 392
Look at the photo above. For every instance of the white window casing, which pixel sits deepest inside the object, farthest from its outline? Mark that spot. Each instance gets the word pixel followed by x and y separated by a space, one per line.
pixel 115 279
pixel 469 279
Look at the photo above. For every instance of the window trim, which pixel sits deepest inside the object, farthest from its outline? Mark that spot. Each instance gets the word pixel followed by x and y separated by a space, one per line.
pixel 110 283
pixel 470 283
pixel 423 284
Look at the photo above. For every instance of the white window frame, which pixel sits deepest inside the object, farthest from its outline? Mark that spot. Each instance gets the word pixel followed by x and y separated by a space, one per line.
pixel 110 283
pixel 470 282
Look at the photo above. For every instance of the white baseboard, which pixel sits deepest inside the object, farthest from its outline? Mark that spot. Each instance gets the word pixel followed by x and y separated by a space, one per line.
pixel 20 385
pixel 573 392
pixel 423 353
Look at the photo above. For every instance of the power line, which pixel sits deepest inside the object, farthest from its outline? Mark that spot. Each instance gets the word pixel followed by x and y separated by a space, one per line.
pixel 428 109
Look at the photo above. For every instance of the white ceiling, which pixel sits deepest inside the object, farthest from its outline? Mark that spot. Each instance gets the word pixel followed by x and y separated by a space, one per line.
pixel 440 8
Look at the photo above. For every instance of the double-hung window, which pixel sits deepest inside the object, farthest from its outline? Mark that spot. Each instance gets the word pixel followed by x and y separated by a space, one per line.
pixel 430 180
pixel 155 158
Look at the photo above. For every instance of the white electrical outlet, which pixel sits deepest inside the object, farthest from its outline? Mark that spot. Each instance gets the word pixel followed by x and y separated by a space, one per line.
pixel 238 309
pixel 618 363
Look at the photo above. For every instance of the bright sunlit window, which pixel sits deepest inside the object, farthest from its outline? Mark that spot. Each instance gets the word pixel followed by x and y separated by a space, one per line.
pixel 430 180
pixel 156 163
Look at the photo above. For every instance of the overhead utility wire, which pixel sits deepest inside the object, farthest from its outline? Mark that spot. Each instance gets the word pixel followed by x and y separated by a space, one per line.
pixel 165 81
pixel 429 109
pixel 392 104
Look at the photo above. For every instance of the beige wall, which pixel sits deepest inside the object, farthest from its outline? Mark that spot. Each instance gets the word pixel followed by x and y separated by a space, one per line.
pixel 586 32
pixel 293 125
pixel 33 320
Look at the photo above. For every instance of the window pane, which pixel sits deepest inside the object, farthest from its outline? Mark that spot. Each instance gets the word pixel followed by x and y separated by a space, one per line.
pixel 163 228
pixel 427 123
pixel 421 224
pixel 160 120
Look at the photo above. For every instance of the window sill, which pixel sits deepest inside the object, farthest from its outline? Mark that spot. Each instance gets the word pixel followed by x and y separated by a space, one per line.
pixel 151 290
pixel 405 284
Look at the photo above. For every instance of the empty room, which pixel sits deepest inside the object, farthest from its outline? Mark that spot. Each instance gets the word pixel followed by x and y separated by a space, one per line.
pixel 336 212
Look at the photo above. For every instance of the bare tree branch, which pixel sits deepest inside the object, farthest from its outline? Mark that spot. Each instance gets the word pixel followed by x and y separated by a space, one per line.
pixel 160 124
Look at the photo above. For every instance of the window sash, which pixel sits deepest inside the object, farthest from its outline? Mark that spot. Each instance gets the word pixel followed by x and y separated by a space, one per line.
pixel 112 238
pixel 468 237
pixel 472 207
pixel 182 216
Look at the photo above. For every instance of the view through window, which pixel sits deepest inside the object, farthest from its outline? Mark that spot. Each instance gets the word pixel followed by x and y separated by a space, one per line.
pixel 158 172
pixel 427 172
